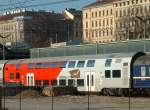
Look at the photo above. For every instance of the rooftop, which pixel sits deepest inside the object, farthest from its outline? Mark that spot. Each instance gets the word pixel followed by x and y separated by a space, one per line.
pixel 99 2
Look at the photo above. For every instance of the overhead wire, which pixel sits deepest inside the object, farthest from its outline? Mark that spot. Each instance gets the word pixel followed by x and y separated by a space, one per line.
pixel 40 4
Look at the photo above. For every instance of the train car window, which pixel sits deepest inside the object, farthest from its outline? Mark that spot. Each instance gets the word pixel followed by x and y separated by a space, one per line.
pixel 125 64
pixel 71 64
pixel 118 60
pixel 92 81
pixel 71 82
pixel 107 73
pixel 38 65
pixel 54 64
pixel 30 65
pixel 63 64
pixel 11 75
pixel 116 73
pixel 87 80
pixel 45 82
pixel 17 75
pixel 143 71
pixel 18 66
pixel 38 82
pixel 80 82
pixel 54 82
pixel 62 82
pixel 149 72
pixel 108 62
pixel 80 64
pixel 46 65
pixel 90 63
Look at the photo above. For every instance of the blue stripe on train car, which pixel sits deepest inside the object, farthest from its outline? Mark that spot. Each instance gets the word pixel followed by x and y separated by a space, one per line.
pixel 141 83
pixel 137 70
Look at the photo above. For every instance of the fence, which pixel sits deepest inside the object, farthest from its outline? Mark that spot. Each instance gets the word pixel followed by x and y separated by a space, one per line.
pixel 29 98
pixel 89 49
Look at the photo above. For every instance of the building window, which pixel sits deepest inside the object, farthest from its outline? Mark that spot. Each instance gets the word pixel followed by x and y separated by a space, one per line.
pixel 107 22
pixel 92 24
pixel 96 14
pixel 111 11
pixel 107 32
pixel 103 32
pixel 99 13
pixel 100 33
pixel 104 22
pixel 100 23
pixel 96 23
pixel 107 13
pixel 103 13
pixel 92 14
pixel 86 24
pixel 111 21
pixel 116 13
pixel 86 15
pixel 120 13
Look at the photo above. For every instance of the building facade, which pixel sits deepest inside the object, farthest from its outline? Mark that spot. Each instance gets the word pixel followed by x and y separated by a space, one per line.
pixel 98 22
pixel 132 19
pixel 116 20
pixel 34 28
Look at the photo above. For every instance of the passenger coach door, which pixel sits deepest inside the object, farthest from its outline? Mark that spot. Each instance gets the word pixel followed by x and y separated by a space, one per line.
pixel 30 79
pixel 90 81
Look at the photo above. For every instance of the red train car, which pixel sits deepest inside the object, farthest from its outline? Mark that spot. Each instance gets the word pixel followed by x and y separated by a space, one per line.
pixel 30 73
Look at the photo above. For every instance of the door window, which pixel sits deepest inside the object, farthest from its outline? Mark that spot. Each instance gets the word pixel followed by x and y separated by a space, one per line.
pixel 143 71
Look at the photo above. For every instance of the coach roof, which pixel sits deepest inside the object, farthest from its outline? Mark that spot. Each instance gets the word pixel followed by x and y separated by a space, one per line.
pixel 80 57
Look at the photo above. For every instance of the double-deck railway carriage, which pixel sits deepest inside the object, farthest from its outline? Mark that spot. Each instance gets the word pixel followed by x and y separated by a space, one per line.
pixel 105 73
pixel 141 74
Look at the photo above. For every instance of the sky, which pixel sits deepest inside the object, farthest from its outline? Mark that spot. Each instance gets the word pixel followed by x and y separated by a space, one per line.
pixel 49 5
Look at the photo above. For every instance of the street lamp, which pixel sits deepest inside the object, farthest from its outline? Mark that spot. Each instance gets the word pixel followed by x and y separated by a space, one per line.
pixel 3 81
pixel 3 37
